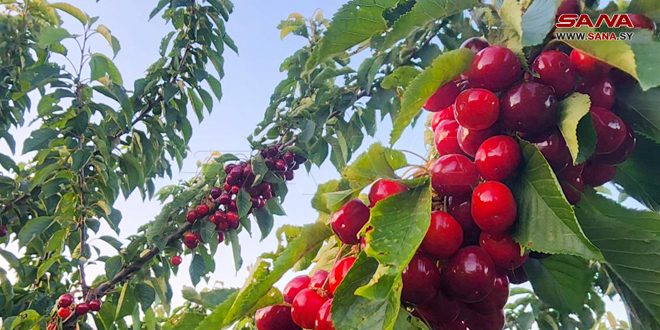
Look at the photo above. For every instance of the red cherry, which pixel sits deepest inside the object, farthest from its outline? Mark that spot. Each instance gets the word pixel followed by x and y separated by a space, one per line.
pixel 305 307
pixel 191 216
pixel 384 188
pixel 95 305
pixel 319 280
pixel 573 194
pixel 460 210
pixel 595 174
pixel 475 44
pixel 610 130
pixel 443 237
pixel 569 7
pixel 190 239
pixel 496 299
pixel 493 207
pixel 294 286
pixel 348 220
pixel 554 69
pixel 202 210
pixel 498 158
pixel 642 22
pixel 176 260
pixel 572 183
pixel 469 276
pixel 622 153
pixel 442 98
pixel 476 108
pixel 233 220
pixel 494 68
pixel 221 237
pixel 504 251
pixel 421 279
pixel 64 312
pixel 82 308
pixel 446 138
pixel 474 320
pixel 470 140
pixel 338 272
pixel 553 147
pixel 601 92
pixel 439 310
pixel 276 317
pixel 65 300
pixel 453 175
pixel 588 66
pixel 529 108
pixel 324 317
pixel 444 114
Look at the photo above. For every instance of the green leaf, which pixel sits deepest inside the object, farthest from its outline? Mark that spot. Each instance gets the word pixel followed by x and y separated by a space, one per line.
pixel 80 158
pixel 145 295
pixel 115 243
pixel 217 317
pixel 39 139
pixel 400 77
pixel 546 221
pixel 45 266
pixel 423 13
pixel 576 126
pixel 33 228
pixel 377 162
pixel 264 220
pixel 649 8
pixel 112 266
pixel 406 321
pixel 197 268
pixel 355 22
pixel 197 104
pixel 640 110
pixel 443 69
pixel 101 66
pixel 49 36
pixel 71 10
pixel 537 21
pixel 630 242
pixel 235 249
pixel 8 163
pixel 512 32
pixel 112 41
pixel 639 174
pixel 243 203
pixel 561 281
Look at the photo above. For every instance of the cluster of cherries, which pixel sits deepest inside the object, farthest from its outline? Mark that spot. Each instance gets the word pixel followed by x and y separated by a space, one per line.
pixel 67 307
pixel 221 208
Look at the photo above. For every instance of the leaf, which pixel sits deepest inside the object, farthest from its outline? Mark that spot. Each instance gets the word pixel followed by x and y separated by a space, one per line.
pixel 649 8
pixel 639 174
pixel 400 77
pixel 39 139
pixel 8 163
pixel 355 22
pixel 406 321
pixel 49 36
pixel 145 295
pixel 115 243
pixel 112 41
pixel 630 242
pixel 561 281
pixel 639 109
pixel 243 203
pixel 537 21
pixel 45 266
pixel 232 236
pixel 546 221
pixel 443 69
pixel 423 13
pixel 33 228
pixel 576 126
pixel 377 162
pixel 264 220
pixel 71 10
pixel 80 158
pixel 512 32
pixel 197 268
pixel 101 66
pixel 112 266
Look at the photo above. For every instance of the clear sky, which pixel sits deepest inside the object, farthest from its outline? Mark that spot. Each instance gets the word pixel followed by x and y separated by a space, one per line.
pixel 249 80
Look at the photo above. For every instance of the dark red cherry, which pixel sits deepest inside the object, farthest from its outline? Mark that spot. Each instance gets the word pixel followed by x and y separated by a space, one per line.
pixel 453 175
pixel 442 98
pixel 573 194
pixel 470 140
pixel 191 216
pixel 202 210
pixel 190 239
pixel 384 188
pixel 305 307
pixel 82 308
pixel 494 68
pixel 622 153
pixel 610 130
pixel 588 66
pixel 554 69
pixel 595 174
pixel 446 113
pixel 476 108
pixel 493 207
pixel 294 286
pixel 319 280
pixel 460 209
pixel 569 7
pixel 444 236
pixel 504 251
pixel 553 147
pixel 642 22
pixel 94 305
pixel 496 299
pixel 572 183
pixel 439 310
pixel 469 275
pixel 517 276
pixel 324 317
pixel 349 219
pixel 498 158
pixel 600 91
pixel 474 320
pixel 65 300
pixel 446 138
pixel 176 260
pixel 529 108
pixel 421 280
pixel 338 272
pixel 276 317
pixel 475 44
pixel 3 231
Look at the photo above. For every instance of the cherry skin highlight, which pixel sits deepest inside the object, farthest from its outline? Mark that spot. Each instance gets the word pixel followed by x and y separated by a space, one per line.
pixel 601 92
pixel 64 312
pixel 420 280
pixel 587 66
pixel 610 130
pixel 446 138
pixel 498 158
pixel 176 260
pixel 528 108
pixel 469 275
pixel 444 114
pixel 319 280
pixel 384 188
pixel 554 69
pixel 453 175
pixel 338 272
pixel 470 140
pixel 444 236
pixel 622 153
pixel 294 286
pixel 494 68
pixel 493 207
pixel 324 317
pixel 65 300
pixel 476 108
pixel 347 221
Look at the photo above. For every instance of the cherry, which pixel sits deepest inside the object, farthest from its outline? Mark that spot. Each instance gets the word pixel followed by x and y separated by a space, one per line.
pixel 384 188
pixel 553 147
pixel 421 279
pixel 65 300
pixel 596 174
pixel 280 165
pixel 319 280
pixel 642 22
pixel 276 317
pixel 475 44
pixel 469 276
pixel 517 276
pixel 587 66
pixel 439 310
pixel 294 286
pixel 504 251
pixel 64 312
pixel 446 138
pixel 348 220
pixel 572 183
pixel 460 210
pixel 446 113
pixel 444 236
pixel 215 192
pixel 289 158
pixel 176 260
pixel 3 230
pixel 474 320
pixel 498 158
pixel 476 108
pixel 529 108
pixel 443 97
pixel 305 307
pixel 569 7
pixel 622 153
pixel 494 68
pixel 470 140
pixel 191 216
pixel 224 198
pixel 324 317
pixel 233 220
pixel 235 189
pixel 554 69
pixel 82 308
pixel 610 130
pixel 338 272
pixel 453 175
pixel 95 305
pixel 190 239
pixel 601 92
pixel 573 194
pixel 496 299
pixel 221 237
pixel 493 207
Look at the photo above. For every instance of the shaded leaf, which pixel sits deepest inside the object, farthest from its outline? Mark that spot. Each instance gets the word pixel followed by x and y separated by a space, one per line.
pixel 561 281
pixel 537 21
pixel 576 126
pixel 71 10
pixel 639 174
